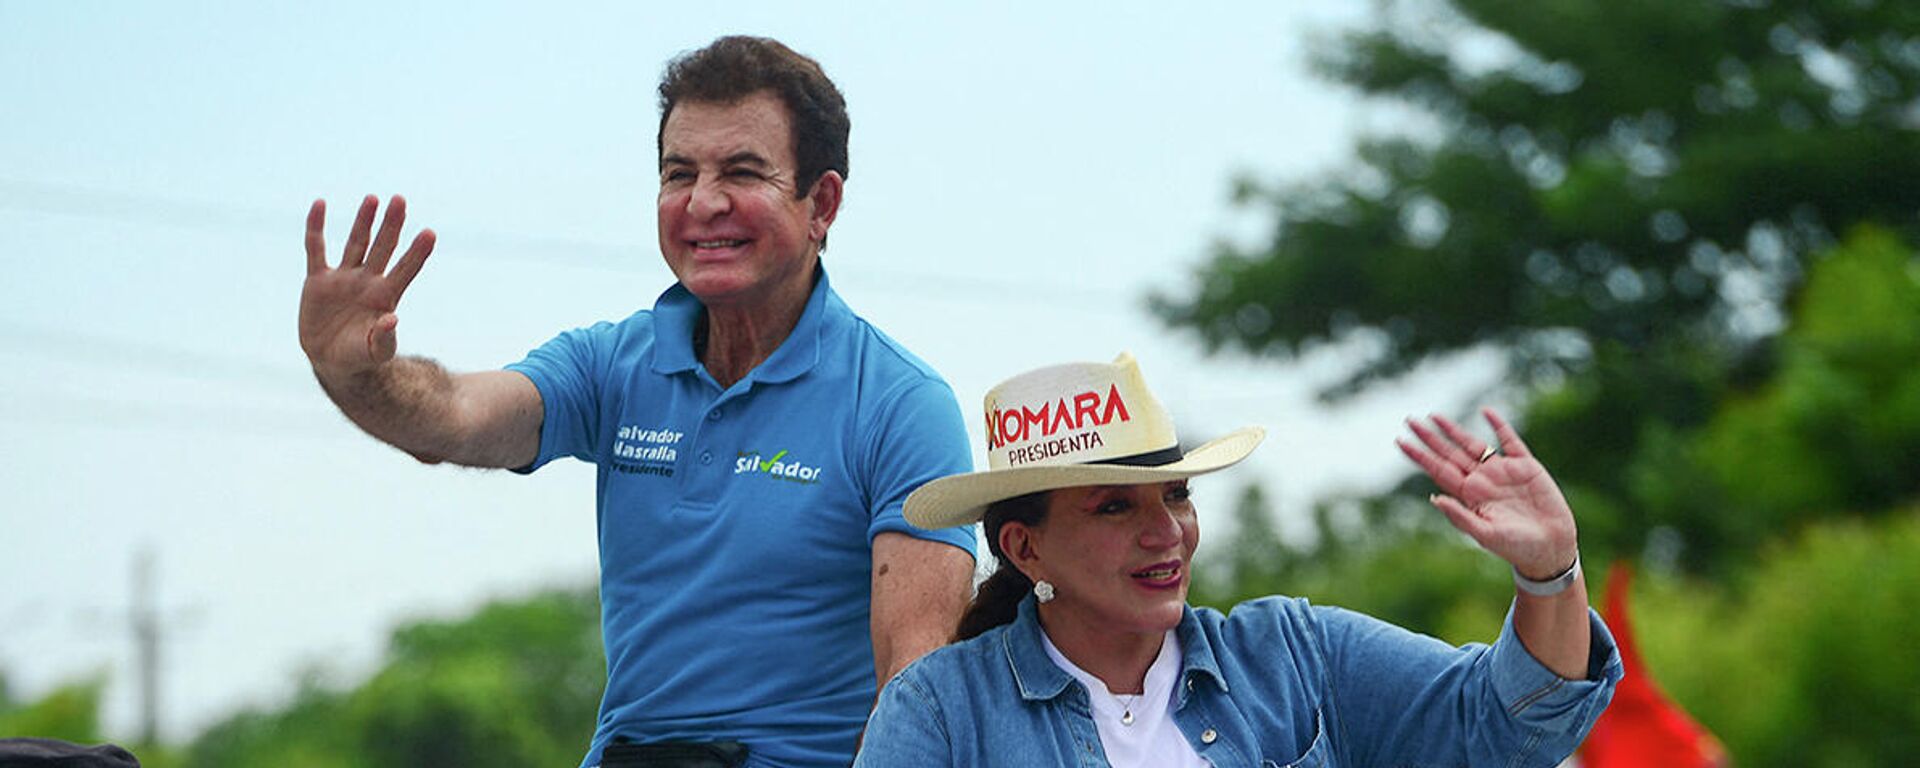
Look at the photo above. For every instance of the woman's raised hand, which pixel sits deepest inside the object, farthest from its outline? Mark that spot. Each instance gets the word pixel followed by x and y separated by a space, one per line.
pixel 1498 494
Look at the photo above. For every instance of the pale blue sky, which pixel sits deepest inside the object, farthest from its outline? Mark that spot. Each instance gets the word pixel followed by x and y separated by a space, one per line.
pixel 1021 177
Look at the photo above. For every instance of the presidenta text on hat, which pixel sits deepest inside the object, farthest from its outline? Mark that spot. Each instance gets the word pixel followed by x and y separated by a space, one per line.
pixel 1070 413
pixel 1068 425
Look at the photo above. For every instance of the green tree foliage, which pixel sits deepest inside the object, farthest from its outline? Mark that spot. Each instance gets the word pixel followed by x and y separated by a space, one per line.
pixel 70 712
pixel 540 659
pixel 1812 663
pixel 1607 178
pixel 1375 555
pixel 516 684
pixel 310 732
pixel 1623 196
pixel 1690 226
pixel 1833 430
pixel 1807 661
pixel 1802 656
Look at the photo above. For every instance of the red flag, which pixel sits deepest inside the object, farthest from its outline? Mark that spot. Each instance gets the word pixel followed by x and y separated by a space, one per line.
pixel 1642 728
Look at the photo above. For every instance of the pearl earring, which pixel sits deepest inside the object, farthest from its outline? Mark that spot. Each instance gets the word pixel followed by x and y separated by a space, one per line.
pixel 1043 591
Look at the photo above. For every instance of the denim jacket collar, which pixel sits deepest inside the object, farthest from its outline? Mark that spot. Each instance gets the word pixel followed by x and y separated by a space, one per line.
pixel 1039 678
pixel 1037 675
pixel 1197 653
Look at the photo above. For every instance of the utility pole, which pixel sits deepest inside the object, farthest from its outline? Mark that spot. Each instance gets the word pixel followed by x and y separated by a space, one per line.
pixel 145 620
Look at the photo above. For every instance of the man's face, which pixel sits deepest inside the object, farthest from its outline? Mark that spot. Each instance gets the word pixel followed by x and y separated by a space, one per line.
pixel 731 228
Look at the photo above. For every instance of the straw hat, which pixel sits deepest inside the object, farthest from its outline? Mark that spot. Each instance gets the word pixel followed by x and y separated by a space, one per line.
pixel 1071 425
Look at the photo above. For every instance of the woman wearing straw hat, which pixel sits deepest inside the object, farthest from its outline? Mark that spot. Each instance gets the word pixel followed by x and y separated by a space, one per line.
pixel 1081 649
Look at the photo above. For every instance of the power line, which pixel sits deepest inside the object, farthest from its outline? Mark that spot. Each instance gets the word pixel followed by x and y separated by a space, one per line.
pixel 77 346
pixel 112 415
pixel 85 202
pixel 90 203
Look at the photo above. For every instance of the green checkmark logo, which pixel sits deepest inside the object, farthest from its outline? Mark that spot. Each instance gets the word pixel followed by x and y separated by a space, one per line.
pixel 768 464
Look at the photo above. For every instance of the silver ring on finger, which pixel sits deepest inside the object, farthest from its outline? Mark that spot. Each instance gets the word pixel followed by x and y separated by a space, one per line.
pixel 1487 453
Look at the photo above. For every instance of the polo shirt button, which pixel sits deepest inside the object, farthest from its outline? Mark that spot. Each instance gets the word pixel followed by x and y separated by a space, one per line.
pixel 713 415
pixel 706 457
pixel 1207 736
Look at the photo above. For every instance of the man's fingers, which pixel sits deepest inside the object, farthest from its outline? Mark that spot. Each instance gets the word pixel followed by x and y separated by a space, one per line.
pixel 317 237
pixel 411 262
pixel 357 237
pixel 389 237
pixel 1510 441
pixel 382 341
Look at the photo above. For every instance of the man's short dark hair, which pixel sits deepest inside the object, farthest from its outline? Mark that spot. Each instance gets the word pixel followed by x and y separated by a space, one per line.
pixel 735 67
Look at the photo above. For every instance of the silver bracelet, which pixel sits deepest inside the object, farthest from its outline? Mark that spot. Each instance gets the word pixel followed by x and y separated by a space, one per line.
pixel 1551 586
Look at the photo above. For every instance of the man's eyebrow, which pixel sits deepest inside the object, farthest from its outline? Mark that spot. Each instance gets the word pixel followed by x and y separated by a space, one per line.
pixel 745 157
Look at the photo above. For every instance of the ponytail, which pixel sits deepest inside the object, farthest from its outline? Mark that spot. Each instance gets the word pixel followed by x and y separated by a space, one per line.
pixel 997 602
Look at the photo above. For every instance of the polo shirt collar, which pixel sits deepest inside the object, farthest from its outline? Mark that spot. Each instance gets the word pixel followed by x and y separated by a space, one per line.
pixel 678 312
pixel 1039 678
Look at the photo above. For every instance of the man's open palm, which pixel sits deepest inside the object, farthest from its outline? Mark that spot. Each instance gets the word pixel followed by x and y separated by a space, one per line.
pixel 347 318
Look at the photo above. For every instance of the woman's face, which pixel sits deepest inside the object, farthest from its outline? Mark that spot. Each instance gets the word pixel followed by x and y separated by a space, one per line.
pixel 1117 555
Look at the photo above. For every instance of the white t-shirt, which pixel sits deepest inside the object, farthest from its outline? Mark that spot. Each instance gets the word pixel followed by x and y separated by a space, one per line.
pixel 1153 740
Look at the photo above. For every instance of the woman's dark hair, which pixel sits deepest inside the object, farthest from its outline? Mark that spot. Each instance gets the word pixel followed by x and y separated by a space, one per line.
pixel 998 599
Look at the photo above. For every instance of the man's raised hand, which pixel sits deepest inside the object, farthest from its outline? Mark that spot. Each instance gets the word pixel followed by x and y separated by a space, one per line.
pixel 347 318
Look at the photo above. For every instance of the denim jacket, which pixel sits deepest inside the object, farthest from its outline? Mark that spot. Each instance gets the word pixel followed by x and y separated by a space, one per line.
pixel 1276 683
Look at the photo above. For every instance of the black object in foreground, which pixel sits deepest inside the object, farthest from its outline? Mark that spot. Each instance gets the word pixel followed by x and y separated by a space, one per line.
pixel 52 753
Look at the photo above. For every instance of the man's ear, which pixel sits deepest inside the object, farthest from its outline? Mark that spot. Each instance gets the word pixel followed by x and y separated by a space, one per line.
pixel 1017 543
pixel 825 196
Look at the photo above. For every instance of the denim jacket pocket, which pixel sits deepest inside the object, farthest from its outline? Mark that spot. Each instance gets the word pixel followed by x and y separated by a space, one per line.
pixel 1319 754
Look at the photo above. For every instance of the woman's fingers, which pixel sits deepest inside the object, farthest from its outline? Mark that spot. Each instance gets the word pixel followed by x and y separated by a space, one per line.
pixel 1510 442
pixel 1468 521
pixel 1474 448
pixel 1443 447
pixel 1444 474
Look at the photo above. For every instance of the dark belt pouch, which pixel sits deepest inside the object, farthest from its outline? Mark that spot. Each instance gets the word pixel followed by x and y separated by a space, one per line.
pixel 675 754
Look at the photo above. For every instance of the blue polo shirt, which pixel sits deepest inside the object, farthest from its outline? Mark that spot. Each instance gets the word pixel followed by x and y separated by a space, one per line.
pixel 736 524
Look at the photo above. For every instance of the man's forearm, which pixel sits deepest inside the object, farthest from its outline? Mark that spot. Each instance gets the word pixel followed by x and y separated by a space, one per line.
pixel 407 402
pixel 485 419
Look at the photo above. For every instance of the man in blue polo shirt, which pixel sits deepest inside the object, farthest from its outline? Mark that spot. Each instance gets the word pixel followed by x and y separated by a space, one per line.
pixel 755 438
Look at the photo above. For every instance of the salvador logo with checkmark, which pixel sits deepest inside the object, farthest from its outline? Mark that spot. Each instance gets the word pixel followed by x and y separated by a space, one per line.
pixel 775 466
